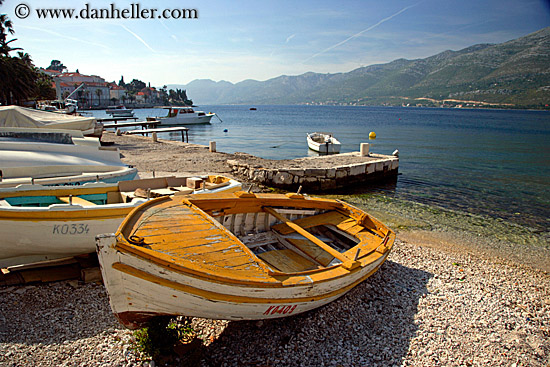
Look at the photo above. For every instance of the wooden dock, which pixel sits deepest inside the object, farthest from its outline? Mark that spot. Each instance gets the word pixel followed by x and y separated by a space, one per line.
pixel 143 124
pixel 184 132
pixel 116 119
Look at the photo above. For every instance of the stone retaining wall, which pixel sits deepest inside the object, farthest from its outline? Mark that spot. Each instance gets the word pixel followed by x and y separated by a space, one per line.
pixel 319 179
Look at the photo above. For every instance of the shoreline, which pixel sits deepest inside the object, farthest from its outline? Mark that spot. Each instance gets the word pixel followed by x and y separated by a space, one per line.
pixel 169 157
pixel 431 303
pixel 425 306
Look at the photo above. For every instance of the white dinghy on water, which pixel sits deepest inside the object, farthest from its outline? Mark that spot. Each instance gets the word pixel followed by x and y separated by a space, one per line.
pixel 323 143
pixel 57 157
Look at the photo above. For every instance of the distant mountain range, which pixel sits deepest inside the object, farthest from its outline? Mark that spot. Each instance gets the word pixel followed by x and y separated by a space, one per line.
pixel 513 74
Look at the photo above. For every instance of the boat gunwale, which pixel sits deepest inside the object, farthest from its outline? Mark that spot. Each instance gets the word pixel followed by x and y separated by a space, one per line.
pixel 66 211
pixel 272 277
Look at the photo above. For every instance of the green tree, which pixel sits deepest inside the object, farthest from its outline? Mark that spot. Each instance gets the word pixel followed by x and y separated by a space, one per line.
pixel 26 58
pixel 57 66
pixel 135 86
pixel 44 88
pixel 19 79
pixel 6 27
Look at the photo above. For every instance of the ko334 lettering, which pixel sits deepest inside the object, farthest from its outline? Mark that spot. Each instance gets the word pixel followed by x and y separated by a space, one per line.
pixel 71 229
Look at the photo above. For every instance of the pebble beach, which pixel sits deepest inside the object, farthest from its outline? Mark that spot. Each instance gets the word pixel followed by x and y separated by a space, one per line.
pixel 428 305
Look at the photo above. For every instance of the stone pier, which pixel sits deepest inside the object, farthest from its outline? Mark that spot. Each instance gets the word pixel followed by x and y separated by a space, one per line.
pixel 318 174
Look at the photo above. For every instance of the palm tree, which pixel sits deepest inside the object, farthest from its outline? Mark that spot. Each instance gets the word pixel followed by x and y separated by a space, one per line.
pixel 26 58
pixel 6 26
pixel 17 80
pixel 86 94
pixel 98 94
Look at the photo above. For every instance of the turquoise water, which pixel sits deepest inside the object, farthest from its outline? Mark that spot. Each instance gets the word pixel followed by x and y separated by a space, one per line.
pixel 489 162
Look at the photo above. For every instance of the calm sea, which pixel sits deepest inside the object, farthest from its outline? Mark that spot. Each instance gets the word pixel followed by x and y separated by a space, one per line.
pixel 489 162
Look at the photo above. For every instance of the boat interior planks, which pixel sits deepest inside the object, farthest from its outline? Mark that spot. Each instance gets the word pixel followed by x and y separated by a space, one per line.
pixel 287 261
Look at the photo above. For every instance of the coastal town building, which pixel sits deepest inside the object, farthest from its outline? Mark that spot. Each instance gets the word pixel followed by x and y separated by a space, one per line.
pixel 93 91
pixel 117 93
pixel 96 92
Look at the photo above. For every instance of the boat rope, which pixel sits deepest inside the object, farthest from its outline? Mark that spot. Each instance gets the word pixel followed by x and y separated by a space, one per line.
pixel 136 240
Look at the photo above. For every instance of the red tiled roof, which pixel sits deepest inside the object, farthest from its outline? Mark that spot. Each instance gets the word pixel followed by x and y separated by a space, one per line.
pixel 90 84
pixel 71 74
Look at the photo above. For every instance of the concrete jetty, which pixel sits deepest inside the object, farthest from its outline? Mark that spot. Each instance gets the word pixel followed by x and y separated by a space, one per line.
pixel 319 174
pixel 315 174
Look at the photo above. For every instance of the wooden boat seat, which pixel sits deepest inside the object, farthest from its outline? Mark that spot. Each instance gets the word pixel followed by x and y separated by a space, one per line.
pixel 311 249
pixel 335 221
pixel 330 218
pixel 318 250
pixel 76 200
pixel 286 261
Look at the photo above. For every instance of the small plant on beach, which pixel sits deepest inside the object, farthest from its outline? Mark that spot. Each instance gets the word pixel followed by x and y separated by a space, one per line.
pixel 163 334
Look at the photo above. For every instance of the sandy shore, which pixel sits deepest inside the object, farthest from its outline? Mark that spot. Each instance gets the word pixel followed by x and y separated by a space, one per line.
pixel 427 306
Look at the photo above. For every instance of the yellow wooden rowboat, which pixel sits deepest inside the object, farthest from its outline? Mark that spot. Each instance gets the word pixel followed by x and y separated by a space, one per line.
pixel 238 256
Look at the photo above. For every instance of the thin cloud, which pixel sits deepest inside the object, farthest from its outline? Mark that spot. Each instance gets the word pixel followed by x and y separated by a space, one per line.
pixel 79 40
pixel 137 37
pixel 290 37
pixel 173 36
pixel 360 33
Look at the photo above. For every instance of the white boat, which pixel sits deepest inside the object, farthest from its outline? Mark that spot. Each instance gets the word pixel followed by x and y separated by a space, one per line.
pixel 39 223
pixel 67 106
pixel 120 112
pixel 323 143
pixel 185 116
pixel 15 116
pixel 239 256
pixel 57 157
pixel 118 109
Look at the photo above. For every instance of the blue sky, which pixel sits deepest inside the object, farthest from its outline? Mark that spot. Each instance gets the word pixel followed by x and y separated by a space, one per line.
pixel 237 40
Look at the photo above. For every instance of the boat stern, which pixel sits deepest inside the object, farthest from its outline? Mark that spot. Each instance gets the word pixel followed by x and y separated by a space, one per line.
pixel 112 279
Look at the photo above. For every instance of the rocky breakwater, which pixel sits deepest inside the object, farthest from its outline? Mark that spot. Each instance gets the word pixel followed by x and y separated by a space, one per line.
pixel 316 174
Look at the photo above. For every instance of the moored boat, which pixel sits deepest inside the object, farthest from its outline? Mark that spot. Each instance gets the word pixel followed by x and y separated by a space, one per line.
pixel 39 223
pixel 323 143
pixel 67 106
pixel 185 116
pixel 118 109
pixel 239 256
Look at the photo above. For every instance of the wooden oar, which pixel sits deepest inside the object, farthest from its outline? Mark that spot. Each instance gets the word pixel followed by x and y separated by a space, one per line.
pixel 350 263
